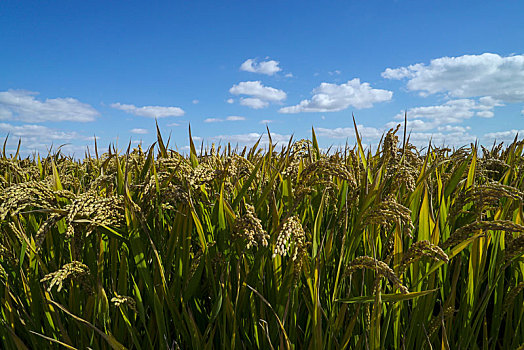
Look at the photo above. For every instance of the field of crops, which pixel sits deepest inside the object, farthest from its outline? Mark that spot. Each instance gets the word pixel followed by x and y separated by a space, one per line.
pixel 286 246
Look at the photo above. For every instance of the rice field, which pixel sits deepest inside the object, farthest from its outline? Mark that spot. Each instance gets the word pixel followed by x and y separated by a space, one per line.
pixel 282 247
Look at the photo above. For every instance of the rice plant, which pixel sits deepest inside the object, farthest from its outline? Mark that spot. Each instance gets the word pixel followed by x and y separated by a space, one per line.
pixel 286 247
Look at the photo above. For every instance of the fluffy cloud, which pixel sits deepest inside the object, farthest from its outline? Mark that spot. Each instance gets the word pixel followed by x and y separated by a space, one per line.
pixel 453 128
pixel 451 112
pixel 451 139
pixel 22 105
pixel 257 90
pixel 266 121
pixel 333 97
pixel 40 138
pixel 466 76
pixel 259 95
pixel 150 111
pixel 138 131
pixel 264 67
pixel 364 131
pixel 507 136
pixel 32 132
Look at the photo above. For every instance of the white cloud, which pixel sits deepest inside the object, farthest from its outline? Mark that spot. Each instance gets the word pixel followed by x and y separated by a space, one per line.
pixel 452 139
pixel 255 89
pixel 335 72
pixel 40 138
pixel 485 114
pixel 447 136
pixel 266 121
pixel 487 102
pixel 231 118
pixel 213 120
pixel 289 75
pixel 150 111
pixel 399 73
pixel 332 97
pixel 364 131
pixel 455 128
pixel 34 132
pixel 173 124
pixel 195 102
pixel 265 67
pixel 230 101
pixel 251 138
pixel 451 112
pixel 254 103
pixel 235 118
pixel 259 95
pixel 22 105
pixel 507 136
pixel 138 131
pixel 467 76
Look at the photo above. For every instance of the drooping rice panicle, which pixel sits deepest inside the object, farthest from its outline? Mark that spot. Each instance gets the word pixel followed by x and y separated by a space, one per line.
pixel 366 262
pixel 75 271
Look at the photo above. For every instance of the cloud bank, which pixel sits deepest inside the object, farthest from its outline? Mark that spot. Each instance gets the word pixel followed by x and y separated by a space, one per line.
pixel 333 97
pixel 444 115
pixel 364 131
pixel 466 76
pixel 150 111
pixel 21 105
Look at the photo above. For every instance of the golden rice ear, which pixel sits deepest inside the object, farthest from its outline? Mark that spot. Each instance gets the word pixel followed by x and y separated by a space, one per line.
pixel 249 228
pixel 75 270
pixel 422 249
pixel 366 262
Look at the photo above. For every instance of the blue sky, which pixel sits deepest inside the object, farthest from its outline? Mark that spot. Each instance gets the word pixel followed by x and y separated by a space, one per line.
pixel 70 70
